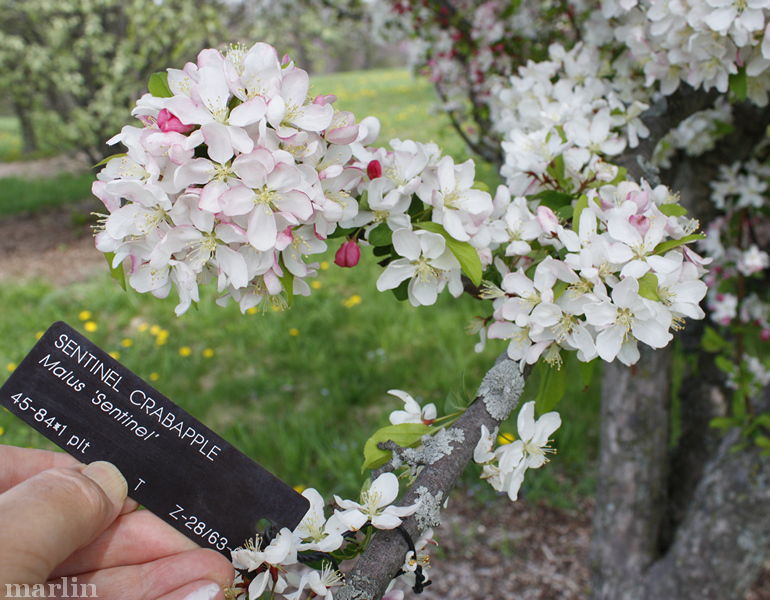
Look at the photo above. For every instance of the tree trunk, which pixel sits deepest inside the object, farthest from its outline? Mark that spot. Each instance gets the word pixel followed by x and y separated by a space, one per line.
pixel 721 546
pixel 632 473
pixel 28 136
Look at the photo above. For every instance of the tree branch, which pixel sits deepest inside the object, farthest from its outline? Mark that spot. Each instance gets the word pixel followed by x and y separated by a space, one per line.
pixel 660 118
pixel 497 396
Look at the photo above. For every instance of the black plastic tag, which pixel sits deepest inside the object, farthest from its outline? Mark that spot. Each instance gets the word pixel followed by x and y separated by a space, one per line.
pixel 93 407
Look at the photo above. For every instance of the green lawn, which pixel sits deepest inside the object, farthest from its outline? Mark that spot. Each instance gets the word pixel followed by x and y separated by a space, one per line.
pixel 301 390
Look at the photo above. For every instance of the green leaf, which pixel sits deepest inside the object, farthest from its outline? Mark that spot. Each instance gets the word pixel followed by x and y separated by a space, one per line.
pixel 553 199
pixel 672 209
pixel 712 341
pixel 664 247
pixel 158 85
pixel 406 435
pixel 648 286
pixel 341 232
pixel 465 254
pixel 739 84
pixel 553 384
pixel 587 370
pixel 724 364
pixel 381 235
pixel 762 441
pixel 107 159
pixel 117 273
pixel 402 291
pixel 577 210
pixel 723 422
pixel 287 281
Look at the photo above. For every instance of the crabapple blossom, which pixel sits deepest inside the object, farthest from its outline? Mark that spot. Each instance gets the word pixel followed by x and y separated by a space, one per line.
pixel 413 412
pixel 375 506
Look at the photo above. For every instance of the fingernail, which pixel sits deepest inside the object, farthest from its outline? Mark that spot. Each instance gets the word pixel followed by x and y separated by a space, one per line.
pixel 207 592
pixel 107 477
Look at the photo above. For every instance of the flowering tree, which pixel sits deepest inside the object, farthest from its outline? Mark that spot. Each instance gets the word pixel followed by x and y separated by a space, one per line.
pixel 672 91
pixel 65 64
pixel 235 178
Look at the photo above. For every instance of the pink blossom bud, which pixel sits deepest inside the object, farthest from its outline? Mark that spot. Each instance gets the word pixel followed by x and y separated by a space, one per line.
pixel 169 122
pixel 640 223
pixel 764 335
pixel 374 169
pixel 547 219
pixel 348 255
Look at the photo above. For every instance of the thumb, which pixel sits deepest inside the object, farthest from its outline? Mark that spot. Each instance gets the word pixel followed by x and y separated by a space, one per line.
pixel 49 516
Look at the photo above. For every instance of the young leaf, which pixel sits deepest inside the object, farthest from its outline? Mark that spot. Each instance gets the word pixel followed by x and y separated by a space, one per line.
pixel 465 254
pixel 664 247
pixel 739 84
pixel 648 286
pixel 117 273
pixel 712 341
pixel 553 199
pixel 107 159
pixel 553 384
pixel 158 85
pixel 577 210
pixel 381 235
pixel 672 209
pixel 405 435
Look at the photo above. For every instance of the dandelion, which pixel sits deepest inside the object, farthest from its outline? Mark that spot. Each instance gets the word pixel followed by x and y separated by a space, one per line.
pixel 143 327
pixel 115 355
pixel 208 352
pixel 505 438
pixel 90 326
pixel 38 335
pixel 126 342
pixel 299 488
pixel 252 311
pixel 155 329
pixel 2 430
pixel 84 315
pixel 324 265
pixel 185 351
pixel 293 332
pixel 10 367
pixel 316 285
pixel 162 337
pixel 354 300
pixel 154 376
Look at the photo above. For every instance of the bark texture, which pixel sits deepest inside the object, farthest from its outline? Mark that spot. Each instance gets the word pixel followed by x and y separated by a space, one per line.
pixel 632 473
pixel 721 547
pixel 498 395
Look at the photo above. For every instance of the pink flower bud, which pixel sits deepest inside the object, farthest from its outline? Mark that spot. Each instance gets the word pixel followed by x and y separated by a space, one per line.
pixel 348 255
pixel 547 219
pixel 764 335
pixel 374 169
pixel 169 122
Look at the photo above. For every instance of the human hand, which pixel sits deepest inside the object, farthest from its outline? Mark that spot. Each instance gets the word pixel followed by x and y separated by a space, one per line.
pixel 61 519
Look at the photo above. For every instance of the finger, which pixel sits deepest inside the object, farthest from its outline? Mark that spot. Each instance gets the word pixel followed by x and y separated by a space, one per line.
pixel 198 590
pixel 19 464
pixel 155 579
pixel 49 516
pixel 131 540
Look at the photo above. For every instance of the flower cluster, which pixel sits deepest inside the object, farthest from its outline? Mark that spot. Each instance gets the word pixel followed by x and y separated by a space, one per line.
pixel 565 109
pixel 619 275
pixel 236 176
pixel 276 564
pixel 702 43
pixel 738 301
pixel 504 467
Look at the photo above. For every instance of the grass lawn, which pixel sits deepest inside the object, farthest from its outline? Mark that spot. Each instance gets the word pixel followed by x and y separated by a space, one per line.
pixel 301 390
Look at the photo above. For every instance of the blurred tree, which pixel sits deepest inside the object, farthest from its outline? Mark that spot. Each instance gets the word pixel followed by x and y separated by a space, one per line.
pixel 71 68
